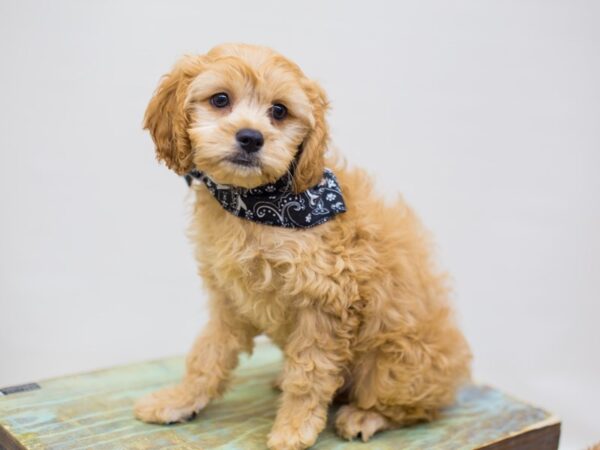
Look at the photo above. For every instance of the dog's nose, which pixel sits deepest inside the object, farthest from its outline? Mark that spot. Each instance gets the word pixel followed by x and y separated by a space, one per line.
pixel 250 140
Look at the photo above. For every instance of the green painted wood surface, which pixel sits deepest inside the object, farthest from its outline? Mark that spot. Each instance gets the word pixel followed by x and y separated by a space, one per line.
pixel 94 411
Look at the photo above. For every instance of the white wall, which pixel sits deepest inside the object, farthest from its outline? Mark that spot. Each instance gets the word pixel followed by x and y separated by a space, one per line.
pixel 486 115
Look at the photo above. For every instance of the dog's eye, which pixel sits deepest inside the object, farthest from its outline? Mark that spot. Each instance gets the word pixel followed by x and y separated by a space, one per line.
pixel 278 111
pixel 220 100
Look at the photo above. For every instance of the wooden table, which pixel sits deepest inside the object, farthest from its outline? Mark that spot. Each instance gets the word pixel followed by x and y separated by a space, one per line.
pixel 94 411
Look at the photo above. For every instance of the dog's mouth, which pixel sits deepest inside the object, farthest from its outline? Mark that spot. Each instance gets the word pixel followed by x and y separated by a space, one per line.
pixel 244 160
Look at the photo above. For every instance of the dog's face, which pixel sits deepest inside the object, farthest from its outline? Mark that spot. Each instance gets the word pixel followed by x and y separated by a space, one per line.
pixel 241 114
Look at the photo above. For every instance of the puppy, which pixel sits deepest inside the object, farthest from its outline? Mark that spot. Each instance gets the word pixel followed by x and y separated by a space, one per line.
pixel 353 300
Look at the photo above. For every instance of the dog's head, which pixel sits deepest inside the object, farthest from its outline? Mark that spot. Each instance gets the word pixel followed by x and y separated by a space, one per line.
pixel 242 114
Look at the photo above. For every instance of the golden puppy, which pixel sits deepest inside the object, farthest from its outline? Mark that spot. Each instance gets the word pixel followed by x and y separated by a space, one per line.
pixel 355 303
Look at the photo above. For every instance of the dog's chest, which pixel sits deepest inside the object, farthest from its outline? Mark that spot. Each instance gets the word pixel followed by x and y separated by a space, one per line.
pixel 265 271
pixel 259 278
pixel 261 269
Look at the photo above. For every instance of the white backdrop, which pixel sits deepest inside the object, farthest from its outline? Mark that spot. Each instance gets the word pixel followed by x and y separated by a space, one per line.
pixel 486 115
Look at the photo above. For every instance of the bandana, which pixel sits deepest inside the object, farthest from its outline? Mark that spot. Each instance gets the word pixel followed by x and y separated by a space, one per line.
pixel 276 204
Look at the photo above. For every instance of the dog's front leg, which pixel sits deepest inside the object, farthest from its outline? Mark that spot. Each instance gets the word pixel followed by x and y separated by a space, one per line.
pixel 316 352
pixel 208 366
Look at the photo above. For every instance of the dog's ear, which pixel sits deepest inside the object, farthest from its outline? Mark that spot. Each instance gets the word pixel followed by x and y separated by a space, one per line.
pixel 311 161
pixel 167 119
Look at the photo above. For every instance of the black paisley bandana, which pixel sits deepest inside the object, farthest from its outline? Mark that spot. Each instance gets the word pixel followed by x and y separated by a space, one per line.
pixel 276 204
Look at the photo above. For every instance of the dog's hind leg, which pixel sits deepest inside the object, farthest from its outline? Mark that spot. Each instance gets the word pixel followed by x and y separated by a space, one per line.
pixel 351 421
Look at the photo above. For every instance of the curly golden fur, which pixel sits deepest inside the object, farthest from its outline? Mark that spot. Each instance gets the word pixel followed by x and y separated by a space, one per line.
pixel 356 304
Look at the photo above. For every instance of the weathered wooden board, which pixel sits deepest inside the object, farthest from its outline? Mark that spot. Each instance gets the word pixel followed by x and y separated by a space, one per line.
pixel 94 411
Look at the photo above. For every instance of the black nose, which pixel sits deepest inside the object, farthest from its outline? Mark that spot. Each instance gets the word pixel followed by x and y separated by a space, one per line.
pixel 250 140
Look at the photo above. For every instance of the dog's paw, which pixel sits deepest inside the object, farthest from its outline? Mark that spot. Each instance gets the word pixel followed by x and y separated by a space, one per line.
pixel 295 429
pixel 351 421
pixel 288 438
pixel 169 405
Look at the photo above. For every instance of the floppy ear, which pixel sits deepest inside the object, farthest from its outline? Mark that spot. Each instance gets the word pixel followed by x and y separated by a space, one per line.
pixel 311 162
pixel 166 118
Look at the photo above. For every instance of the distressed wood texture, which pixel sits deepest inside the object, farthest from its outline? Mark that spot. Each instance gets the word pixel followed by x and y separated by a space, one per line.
pixel 94 411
